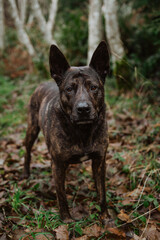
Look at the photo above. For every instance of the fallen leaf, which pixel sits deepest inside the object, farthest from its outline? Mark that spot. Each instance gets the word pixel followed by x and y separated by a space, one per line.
pixel 157 125
pixel 93 231
pixel 2 201
pixel 62 232
pixel 4 237
pixel 151 233
pixel 123 216
pixel 85 237
pixel 126 201
pixel 117 232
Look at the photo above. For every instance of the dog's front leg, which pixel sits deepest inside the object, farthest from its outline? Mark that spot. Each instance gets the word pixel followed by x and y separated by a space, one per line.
pixel 58 171
pixel 99 169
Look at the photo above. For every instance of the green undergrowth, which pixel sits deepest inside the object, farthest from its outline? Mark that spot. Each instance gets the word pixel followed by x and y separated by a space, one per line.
pixel 14 99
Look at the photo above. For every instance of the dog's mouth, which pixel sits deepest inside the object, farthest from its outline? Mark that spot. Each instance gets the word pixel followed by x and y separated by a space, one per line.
pixel 84 122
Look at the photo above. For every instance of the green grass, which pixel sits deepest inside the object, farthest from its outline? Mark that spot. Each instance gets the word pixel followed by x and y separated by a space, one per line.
pixel 13 103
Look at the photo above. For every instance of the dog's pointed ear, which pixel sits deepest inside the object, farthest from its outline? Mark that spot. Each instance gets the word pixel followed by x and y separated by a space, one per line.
pixel 100 60
pixel 58 64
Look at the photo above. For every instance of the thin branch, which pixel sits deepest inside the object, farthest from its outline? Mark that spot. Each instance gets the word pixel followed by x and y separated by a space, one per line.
pixel 145 226
pixel 133 220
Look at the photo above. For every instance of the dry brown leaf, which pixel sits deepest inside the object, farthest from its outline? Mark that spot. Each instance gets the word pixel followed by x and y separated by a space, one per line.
pixel 117 232
pixel 62 232
pixel 156 125
pixel 118 179
pixel 124 117
pixel 4 237
pixel 93 231
pixel 121 190
pixel 126 201
pixel 123 216
pixel 85 237
pixel 135 193
pixel 151 233
pixel 115 145
pixel 2 201
pixel 152 147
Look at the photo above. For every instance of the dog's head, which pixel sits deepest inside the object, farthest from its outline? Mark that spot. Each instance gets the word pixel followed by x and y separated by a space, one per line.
pixel 81 88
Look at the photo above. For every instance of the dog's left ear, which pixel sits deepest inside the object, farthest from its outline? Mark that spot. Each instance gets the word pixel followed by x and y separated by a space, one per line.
pixel 100 60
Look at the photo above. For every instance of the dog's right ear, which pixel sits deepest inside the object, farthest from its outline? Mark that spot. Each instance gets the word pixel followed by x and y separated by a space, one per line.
pixel 100 60
pixel 58 64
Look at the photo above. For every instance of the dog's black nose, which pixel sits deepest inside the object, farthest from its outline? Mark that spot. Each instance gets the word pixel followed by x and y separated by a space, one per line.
pixel 83 108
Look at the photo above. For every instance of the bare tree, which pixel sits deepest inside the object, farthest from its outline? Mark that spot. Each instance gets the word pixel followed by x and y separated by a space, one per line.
pixel 94 26
pixel 1 25
pixel 22 35
pixel 45 27
pixel 112 30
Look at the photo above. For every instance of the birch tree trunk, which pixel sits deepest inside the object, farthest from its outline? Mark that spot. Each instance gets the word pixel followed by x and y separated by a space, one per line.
pixel 44 26
pixel 94 26
pixel 1 26
pixel 112 30
pixel 52 15
pixel 22 35
pixel 22 10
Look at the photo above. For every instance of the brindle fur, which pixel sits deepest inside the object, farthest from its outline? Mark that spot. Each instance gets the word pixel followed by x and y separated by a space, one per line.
pixel 71 138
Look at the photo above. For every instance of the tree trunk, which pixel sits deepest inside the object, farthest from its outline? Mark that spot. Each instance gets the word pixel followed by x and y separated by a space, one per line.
pixel 52 15
pixel 44 26
pixel 22 10
pixel 112 30
pixel 94 26
pixel 22 35
pixel 1 26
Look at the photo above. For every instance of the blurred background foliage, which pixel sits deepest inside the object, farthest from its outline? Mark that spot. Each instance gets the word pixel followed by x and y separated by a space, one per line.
pixel 139 23
pixel 140 32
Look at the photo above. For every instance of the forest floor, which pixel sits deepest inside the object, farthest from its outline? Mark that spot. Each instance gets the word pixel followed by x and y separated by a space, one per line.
pixel 28 208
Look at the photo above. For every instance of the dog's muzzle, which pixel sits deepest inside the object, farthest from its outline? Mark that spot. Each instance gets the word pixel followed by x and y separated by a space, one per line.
pixel 83 113
pixel 83 109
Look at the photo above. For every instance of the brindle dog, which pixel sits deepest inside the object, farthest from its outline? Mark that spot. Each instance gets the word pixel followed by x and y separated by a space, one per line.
pixel 72 117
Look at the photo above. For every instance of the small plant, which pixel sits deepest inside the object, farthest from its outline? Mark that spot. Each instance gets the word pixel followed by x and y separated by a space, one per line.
pixel 47 219
pixel 19 199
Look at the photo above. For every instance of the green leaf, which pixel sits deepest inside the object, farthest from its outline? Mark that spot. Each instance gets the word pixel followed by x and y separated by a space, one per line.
pixel 78 229
pixel 155 202
pixel 143 219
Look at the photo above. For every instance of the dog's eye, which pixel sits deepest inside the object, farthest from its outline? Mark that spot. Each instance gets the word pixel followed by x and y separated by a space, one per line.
pixel 93 88
pixel 69 89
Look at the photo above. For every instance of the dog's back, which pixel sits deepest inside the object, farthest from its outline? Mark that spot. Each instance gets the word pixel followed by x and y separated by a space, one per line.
pixel 46 91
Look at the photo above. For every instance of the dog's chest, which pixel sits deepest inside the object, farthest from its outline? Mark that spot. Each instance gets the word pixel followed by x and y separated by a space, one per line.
pixel 79 158
pixel 84 158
